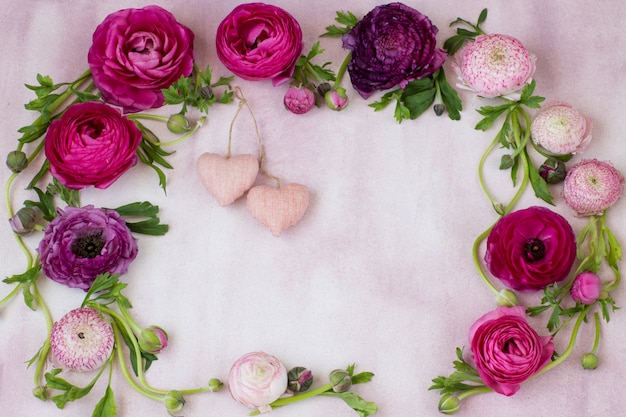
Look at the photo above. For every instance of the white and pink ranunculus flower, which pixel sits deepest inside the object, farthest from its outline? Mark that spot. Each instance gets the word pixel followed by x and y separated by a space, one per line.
pixel 561 129
pixel 82 340
pixel 257 379
pixel 592 186
pixel 494 65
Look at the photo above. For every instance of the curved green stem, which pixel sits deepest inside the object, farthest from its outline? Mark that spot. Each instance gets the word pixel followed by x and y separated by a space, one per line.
pixel 312 72
pixel 145 116
pixel 570 346
pixel 122 363
pixel 596 340
pixel 129 319
pixel 475 248
pixel 481 390
pixel 43 355
pixel 481 177
pixel 10 295
pixel 186 136
pixel 342 70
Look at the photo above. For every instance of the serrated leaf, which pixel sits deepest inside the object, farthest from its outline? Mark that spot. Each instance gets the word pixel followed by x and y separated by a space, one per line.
pixel 27 277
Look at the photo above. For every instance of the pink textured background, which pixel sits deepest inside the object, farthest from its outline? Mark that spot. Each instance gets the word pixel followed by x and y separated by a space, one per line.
pixel 378 272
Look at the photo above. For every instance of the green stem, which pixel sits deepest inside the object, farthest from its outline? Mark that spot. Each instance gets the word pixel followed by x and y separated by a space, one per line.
pixel 59 101
pixel 481 177
pixel 129 378
pixel 46 346
pixel 312 72
pixel 342 70
pixel 10 295
pixel 596 339
pixel 475 249
pixel 129 319
pixel 186 136
pixel 570 346
pixel 481 390
pixel 288 400
pixel 145 116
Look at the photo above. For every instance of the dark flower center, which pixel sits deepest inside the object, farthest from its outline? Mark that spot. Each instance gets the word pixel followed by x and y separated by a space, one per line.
pixel 81 335
pixel 88 246
pixel 534 250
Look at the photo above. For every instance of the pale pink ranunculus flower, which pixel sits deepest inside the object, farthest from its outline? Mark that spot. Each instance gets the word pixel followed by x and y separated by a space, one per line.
pixel 561 129
pixel 507 350
pixel 257 379
pixel 494 65
pixel 82 340
pixel 586 288
pixel 258 41
pixel 591 186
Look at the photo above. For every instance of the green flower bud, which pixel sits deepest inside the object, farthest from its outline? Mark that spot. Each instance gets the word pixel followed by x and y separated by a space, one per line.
pixel 553 171
pixel 174 402
pixel 590 360
pixel 506 298
pixel 24 220
pixel 178 124
pixel 153 339
pixel 439 109
pixel 215 385
pixel 336 99
pixel 41 393
pixel 449 404
pixel 206 92
pixel 17 161
pixel 340 380
pixel 299 379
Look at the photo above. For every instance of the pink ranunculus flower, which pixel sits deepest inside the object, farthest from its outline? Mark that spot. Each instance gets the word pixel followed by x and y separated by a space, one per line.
pixel 299 100
pixel 137 52
pixel 531 248
pixel 257 379
pixel 561 129
pixel 494 65
pixel 81 340
pixel 259 41
pixel 91 144
pixel 507 350
pixel 592 186
pixel 586 288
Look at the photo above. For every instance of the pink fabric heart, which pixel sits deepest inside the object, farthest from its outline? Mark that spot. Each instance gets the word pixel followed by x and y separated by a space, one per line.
pixel 278 208
pixel 227 179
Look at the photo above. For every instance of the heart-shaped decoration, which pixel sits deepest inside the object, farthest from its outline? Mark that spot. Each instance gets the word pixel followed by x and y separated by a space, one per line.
pixel 278 208
pixel 227 179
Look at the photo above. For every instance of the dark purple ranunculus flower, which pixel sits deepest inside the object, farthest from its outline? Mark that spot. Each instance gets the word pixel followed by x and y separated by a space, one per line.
pixel 531 248
pixel 393 44
pixel 82 243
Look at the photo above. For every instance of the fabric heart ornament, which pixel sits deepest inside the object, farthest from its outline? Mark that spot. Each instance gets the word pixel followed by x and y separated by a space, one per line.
pixel 278 208
pixel 227 179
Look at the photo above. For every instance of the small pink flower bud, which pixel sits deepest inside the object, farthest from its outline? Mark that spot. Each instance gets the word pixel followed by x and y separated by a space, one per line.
pixel 592 186
pixel 586 288
pixel 24 221
pixel 561 129
pixel 336 99
pixel 153 339
pixel 299 100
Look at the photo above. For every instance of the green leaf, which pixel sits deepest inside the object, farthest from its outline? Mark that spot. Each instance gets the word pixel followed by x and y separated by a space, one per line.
pixel 347 19
pixel 45 204
pixel 140 209
pixel 450 98
pixel 482 17
pixel 363 408
pixel 70 197
pixel 106 406
pixel 150 227
pixel 72 392
pixel 27 277
pixel 540 186
pixel 362 377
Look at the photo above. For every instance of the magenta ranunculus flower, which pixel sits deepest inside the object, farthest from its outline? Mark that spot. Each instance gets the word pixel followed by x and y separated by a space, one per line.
pixel 137 52
pixel 81 340
pixel 507 350
pixel 91 144
pixel 531 248
pixel 592 186
pixel 82 243
pixel 561 129
pixel 259 41
pixel 494 65
pixel 392 45
pixel 257 379
pixel 586 288
pixel 299 100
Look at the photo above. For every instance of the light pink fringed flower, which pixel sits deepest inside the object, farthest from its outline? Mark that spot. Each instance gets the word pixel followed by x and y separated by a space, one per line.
pixel 592 186
pixel 494 65
pixel 561 129
pixel 81 340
